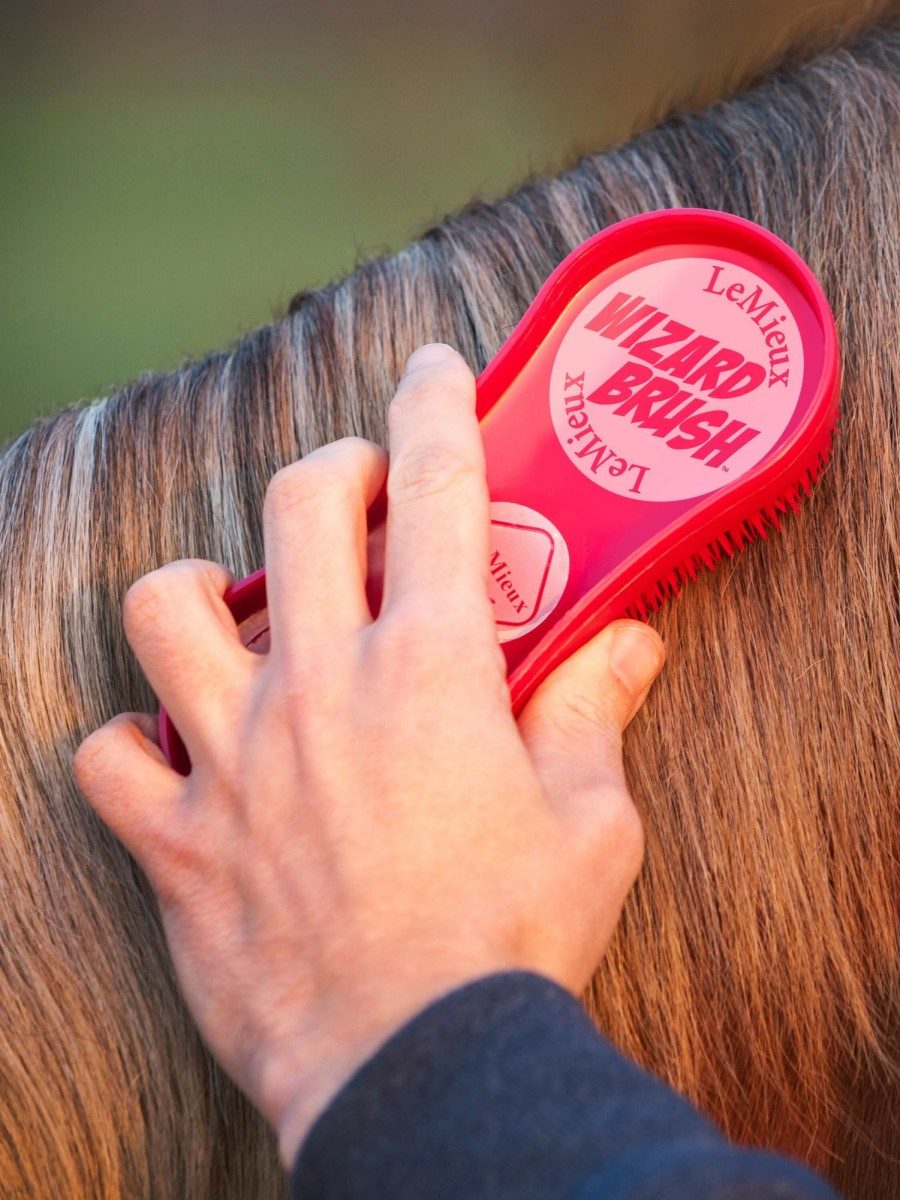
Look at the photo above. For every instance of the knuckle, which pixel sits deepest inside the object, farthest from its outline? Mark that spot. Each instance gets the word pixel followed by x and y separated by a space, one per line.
pixel 409 649
pixel 406 629
pixel 428 470
pixel 620 831
pixel 418 391
pixel 292 488
pixel 98 753
pixel 356 447
pixel 154 597
pixel 150 598
pixel 424 648
pixel 312 481
pixel 176 860
pixel 89 759
pixel 578 713
pixel 311 683
pixel 155 600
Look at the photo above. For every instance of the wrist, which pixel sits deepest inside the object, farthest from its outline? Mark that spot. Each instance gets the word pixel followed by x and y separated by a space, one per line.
pixel 299 1082
pixel 304 1094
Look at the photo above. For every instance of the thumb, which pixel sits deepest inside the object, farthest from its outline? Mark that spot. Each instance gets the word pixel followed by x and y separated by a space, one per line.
pixel 572 726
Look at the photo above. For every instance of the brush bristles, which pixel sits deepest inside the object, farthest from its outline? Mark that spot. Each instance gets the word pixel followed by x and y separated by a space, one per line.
pixel 733 540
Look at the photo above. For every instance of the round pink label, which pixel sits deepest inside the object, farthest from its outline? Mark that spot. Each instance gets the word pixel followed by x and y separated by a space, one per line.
pixel 529 568
pixel 676 379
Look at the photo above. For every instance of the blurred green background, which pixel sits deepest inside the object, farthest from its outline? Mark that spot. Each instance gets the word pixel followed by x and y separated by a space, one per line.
pixel 171 174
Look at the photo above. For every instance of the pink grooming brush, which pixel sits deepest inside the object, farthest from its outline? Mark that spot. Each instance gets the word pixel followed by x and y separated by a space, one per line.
pixel 672 388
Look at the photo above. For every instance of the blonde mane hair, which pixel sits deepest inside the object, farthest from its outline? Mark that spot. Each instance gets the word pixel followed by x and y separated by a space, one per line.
pixel 757 967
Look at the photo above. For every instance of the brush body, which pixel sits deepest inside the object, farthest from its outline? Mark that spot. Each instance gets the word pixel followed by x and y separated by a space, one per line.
pixel 671 391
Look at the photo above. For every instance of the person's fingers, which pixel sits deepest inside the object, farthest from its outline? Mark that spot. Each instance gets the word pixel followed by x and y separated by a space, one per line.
pixel 438 506
pixel 123 775
pixel 187 643
pixel 572 727
pixel 314 526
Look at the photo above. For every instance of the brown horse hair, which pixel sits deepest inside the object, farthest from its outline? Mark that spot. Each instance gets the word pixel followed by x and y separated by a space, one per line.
pixel 757 967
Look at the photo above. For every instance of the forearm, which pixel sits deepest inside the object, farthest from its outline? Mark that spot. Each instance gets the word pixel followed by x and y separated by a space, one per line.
pixel 504 1088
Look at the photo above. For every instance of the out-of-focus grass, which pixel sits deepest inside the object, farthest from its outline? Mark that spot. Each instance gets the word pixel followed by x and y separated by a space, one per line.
pixel 138 225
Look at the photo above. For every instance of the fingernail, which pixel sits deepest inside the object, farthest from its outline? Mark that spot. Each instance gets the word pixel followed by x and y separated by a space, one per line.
pixel 635 657
pixel 430 355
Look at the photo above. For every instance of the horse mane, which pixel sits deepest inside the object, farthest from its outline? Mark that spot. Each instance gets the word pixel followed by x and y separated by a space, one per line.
pixel 757 967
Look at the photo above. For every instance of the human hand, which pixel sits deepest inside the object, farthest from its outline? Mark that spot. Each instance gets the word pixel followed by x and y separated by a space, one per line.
pixel 366 826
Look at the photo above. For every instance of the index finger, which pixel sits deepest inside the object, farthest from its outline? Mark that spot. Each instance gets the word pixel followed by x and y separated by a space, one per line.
pixel 438 518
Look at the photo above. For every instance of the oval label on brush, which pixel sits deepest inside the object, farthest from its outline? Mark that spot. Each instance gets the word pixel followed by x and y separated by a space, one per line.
pixel 678 377
pixel 529 568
